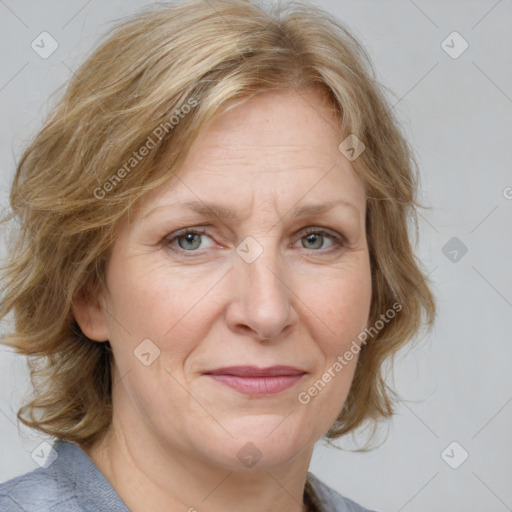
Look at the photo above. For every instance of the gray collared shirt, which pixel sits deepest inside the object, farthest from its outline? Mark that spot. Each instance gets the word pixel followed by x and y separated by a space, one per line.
pixel 72 483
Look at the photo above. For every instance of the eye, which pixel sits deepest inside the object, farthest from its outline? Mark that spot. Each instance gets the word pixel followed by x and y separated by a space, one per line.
pixel 315 237
pixel 188 240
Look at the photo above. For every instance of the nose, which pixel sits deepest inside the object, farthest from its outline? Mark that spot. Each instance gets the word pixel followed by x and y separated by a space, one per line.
pixel 262 304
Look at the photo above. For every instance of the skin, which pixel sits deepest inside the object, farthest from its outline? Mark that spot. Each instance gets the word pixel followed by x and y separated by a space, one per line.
pixel 176 433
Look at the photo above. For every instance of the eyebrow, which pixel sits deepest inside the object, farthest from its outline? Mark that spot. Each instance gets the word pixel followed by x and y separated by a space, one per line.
pixel 224 212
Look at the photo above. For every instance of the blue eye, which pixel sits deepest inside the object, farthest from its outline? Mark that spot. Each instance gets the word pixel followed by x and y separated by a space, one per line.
pixel 313 235
pixel 188 241
pixel 191 239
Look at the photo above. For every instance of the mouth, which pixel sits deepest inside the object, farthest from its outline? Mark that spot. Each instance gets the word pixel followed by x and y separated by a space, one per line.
pixel 251 380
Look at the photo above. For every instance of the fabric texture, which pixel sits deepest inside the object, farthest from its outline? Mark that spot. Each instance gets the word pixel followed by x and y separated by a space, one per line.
pixel 72 483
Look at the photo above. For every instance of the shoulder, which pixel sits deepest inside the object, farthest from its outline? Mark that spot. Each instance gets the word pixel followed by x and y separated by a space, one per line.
pixel 331 500
pixel 70 483
pixel 42 490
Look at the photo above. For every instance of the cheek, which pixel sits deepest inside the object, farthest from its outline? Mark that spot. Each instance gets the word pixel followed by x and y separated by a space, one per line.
pixel 347 305
pixel 342 302
pixel 151 301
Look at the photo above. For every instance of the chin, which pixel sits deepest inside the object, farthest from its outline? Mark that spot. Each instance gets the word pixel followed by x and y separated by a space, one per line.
pixel 269 446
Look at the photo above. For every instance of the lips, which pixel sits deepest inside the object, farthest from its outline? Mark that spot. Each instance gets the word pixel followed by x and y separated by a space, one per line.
pixel 253 371
pixel 251 380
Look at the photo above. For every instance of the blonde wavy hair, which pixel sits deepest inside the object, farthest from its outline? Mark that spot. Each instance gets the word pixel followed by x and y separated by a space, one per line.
pixel 79 177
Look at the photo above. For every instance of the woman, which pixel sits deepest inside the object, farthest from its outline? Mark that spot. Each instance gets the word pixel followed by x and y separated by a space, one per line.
pixel 213 264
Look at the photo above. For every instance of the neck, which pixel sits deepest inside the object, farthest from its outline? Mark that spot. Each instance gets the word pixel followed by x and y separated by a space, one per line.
pixel 149 475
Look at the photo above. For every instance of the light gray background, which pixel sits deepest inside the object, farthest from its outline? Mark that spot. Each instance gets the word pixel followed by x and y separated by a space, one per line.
pixel 456 385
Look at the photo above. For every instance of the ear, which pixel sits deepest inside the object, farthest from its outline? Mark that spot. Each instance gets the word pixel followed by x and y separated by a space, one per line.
pixel 90 315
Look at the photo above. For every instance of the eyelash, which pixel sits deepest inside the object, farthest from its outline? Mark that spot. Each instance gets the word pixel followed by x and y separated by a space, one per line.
pixel 338 240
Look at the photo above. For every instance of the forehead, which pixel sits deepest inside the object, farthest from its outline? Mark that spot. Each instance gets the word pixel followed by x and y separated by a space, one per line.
pixel 279 125
pixel 278 146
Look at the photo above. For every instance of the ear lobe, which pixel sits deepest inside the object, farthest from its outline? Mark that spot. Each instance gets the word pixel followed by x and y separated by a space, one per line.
pixel 89 315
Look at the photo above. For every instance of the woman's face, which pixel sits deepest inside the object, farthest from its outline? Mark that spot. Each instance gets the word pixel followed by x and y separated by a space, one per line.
pixel 179 309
